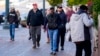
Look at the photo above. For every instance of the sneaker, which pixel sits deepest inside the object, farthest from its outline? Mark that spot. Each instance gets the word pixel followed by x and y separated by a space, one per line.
pixel 62 48
pixel 38 44
pixel 29 38
pixel 51 53
pixel 13 39
pixel 57 50
pixel 54 53
pixel 34 47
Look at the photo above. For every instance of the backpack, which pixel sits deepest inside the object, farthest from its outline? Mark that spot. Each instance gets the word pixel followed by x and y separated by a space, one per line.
pixel 52 21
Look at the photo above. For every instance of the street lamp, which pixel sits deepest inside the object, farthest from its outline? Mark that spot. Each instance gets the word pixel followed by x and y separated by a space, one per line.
pixel 6 26
pixel 44 8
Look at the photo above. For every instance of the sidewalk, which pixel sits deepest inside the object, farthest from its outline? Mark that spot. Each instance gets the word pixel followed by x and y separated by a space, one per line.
pixel 23 47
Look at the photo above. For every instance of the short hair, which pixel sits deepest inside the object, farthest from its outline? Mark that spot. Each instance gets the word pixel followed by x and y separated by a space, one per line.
pixel 51 8
pixel 83 7
pixel 34 4
pixel 59 6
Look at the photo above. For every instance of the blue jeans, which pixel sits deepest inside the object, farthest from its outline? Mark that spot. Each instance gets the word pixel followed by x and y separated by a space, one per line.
pixel 12 30
pixel 53 37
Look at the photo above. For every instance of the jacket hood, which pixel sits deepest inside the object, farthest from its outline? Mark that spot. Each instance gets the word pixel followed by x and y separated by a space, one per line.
pixel 81 11
pixel 76 17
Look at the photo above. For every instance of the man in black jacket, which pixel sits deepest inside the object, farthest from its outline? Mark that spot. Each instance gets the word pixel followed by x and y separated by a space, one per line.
pixel 52 22
pixel 35 20
pixel 62 30
pixel 12 18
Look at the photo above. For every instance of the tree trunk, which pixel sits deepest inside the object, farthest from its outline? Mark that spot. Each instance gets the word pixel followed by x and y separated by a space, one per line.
pixel 97 49
pixel 99 35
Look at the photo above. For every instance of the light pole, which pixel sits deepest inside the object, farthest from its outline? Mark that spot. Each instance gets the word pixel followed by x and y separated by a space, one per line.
pixel 99 35
pixel 44 8
pixel 64 3
pixel 6 26
pixel 7 7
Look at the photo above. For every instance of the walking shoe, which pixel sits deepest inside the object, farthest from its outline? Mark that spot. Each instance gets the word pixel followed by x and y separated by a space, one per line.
pixel 34 47
pixel 57 50
pixel 29 38
pixel 13 39
pixel 54 53
pixel 51 53
pixel 62 48
pixel 38 44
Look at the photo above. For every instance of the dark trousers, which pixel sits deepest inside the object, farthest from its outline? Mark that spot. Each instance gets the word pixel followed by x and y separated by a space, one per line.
pixel 35 34
pixel 61 37
pixel 29 32
pixel 86 46
pixel 16 24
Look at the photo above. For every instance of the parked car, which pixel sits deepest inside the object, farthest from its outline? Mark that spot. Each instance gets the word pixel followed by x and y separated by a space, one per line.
pixel 23 20
pixel 1 19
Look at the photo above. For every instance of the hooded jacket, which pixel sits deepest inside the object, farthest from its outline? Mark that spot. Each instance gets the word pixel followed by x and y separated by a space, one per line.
pixel 76 26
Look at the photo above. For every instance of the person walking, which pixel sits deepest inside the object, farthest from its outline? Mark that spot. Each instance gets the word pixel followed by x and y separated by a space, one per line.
pixel 47 13
pixel 29 33
pixel 53 22
pixel 12 18
pixel 79 25
pixel 62 29
pixel 35 20
pixel 19 18
pixel 69 13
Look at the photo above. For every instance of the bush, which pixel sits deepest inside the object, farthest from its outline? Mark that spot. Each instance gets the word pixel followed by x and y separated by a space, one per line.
pixel 95 16
pixel 96 8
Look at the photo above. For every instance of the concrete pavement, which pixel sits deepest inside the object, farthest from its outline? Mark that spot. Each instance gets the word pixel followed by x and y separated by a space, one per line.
pixel 23 47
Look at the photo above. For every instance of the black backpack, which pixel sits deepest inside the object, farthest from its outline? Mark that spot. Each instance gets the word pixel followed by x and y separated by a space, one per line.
pixel 52 21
